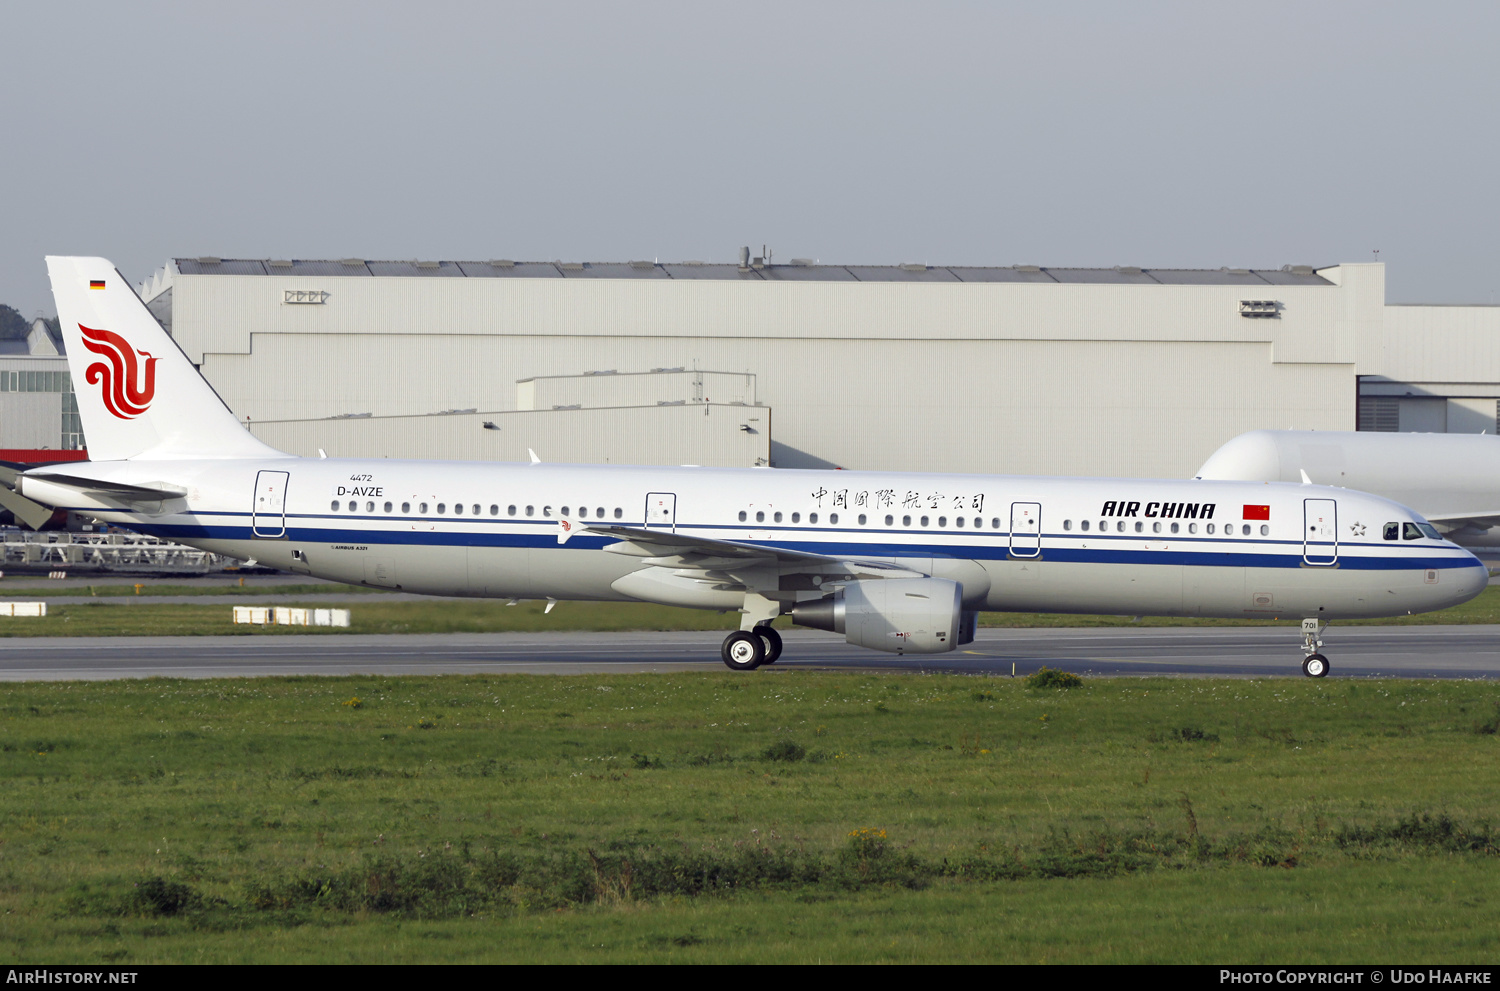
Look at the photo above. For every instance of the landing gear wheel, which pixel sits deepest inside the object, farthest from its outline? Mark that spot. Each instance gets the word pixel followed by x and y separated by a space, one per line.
pixel 1316 666
pixel 772 641
pixel 743 651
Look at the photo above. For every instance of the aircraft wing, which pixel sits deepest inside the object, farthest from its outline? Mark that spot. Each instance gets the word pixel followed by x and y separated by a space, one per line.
pixel 685 552
pixel 1458 521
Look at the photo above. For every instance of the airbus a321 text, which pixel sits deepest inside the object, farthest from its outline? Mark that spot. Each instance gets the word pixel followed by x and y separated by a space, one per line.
pixel 895 561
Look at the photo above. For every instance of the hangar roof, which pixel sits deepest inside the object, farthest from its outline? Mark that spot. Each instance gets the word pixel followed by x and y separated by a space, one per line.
pixel 800 271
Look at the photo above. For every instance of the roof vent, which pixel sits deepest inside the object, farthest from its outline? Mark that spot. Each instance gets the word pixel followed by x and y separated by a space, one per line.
pixel 502 263
pixel 1238 271
pixel 429 265
pixel 1260 308
pixel 279 263
pixel 1298 269
pixel 913 267
pixel 804 262
pixel 1029 269
pixel 206 260
pixel 643 265
pixel 351 261
pixel 1128 269
pixel 570 266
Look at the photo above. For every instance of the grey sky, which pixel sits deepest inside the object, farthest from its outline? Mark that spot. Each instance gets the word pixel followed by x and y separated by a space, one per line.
pixel 1192 135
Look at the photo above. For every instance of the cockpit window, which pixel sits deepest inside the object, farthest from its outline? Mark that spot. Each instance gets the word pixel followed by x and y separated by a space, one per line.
pixel 1429 531
pixel 1392 531
pixel 1409 531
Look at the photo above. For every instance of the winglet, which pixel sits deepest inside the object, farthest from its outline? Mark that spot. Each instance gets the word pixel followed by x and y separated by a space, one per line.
pixel 534 459
pixel 1305 479
pixel 569 527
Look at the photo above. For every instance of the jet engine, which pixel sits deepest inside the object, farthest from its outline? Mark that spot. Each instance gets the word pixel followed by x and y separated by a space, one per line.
pixel 897 615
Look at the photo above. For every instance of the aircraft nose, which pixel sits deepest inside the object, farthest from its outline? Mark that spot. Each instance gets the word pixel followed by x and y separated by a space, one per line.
pixel 1468 581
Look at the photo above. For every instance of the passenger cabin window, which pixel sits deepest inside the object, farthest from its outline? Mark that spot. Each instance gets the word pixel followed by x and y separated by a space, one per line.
pixel 422 508
pixel 861 519
pixel 406 507
pixel 942 521
pixel 494 510
pixel 1067 524
pixel 1083 525
pixel 889 520
pixel 530 510
pixel 335 507
pixel 743 517
pixel 906 521
pixel 1209 528
pixel 833 518
pixel 1175 527
pixel 1120 526
pixel 458 509
pixel 510 510
pixel 1192 528
pixel 796 517
pixel 475 509
pixel 546 510
pixel 619 513
pixel 812 518
pixel 442 508
pixel 995 523
pixel 1265 531
pixel 1139 526
pixel 776 518
pixel 1156 527
pixel 760 517
pixel 387 507
pixel 565 511
pixel 599 512
pixel 924 521
pixel 370 506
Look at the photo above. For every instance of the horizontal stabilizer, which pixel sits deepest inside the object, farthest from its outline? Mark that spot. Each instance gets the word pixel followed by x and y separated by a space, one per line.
pixel 155 492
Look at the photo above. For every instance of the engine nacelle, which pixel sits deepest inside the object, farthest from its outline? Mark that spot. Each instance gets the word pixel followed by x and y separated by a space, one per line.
pixel 897 615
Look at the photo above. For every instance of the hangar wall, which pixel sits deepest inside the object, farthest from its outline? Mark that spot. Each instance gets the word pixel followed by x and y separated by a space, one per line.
pixel 1124 375
pixel 708 435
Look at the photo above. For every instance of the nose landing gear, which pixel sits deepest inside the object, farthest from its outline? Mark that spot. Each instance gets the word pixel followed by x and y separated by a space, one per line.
pixel 1314 665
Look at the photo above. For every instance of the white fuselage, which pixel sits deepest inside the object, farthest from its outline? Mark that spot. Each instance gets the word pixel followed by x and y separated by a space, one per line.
pixel 1116 546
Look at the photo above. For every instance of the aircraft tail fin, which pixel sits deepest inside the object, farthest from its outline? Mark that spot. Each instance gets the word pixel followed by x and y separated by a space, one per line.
pixel 138 394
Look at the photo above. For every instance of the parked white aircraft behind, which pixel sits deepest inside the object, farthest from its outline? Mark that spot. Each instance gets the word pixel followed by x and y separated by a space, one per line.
pixel 1451 479
pixel 895 561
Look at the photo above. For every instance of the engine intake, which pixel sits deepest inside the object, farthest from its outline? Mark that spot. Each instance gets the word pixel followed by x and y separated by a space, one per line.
pixel 896 615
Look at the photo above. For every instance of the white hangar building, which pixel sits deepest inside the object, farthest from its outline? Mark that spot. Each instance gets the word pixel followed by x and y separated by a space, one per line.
pixel 1026 369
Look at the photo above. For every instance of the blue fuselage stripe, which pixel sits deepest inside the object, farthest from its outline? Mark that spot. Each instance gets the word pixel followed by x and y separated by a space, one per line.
pixel 1118 549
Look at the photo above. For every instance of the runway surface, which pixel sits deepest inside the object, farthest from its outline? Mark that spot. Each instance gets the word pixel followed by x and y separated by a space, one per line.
pixel 1363 652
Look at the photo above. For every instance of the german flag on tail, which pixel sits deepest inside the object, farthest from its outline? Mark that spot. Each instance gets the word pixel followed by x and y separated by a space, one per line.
pixel 96 283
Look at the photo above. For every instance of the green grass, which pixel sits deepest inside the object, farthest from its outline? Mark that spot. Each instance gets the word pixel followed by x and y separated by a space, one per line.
pixel 774 817
pixel 148 587
pixel 120 616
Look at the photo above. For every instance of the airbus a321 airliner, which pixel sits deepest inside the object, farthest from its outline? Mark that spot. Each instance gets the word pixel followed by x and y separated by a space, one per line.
pixel 894 561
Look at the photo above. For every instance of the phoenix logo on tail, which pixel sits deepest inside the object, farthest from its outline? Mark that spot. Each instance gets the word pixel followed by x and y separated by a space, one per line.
pixel 122 396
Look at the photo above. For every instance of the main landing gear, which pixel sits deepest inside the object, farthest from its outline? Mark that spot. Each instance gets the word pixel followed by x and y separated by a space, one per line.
pixel 1314 665
pixel 746 650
